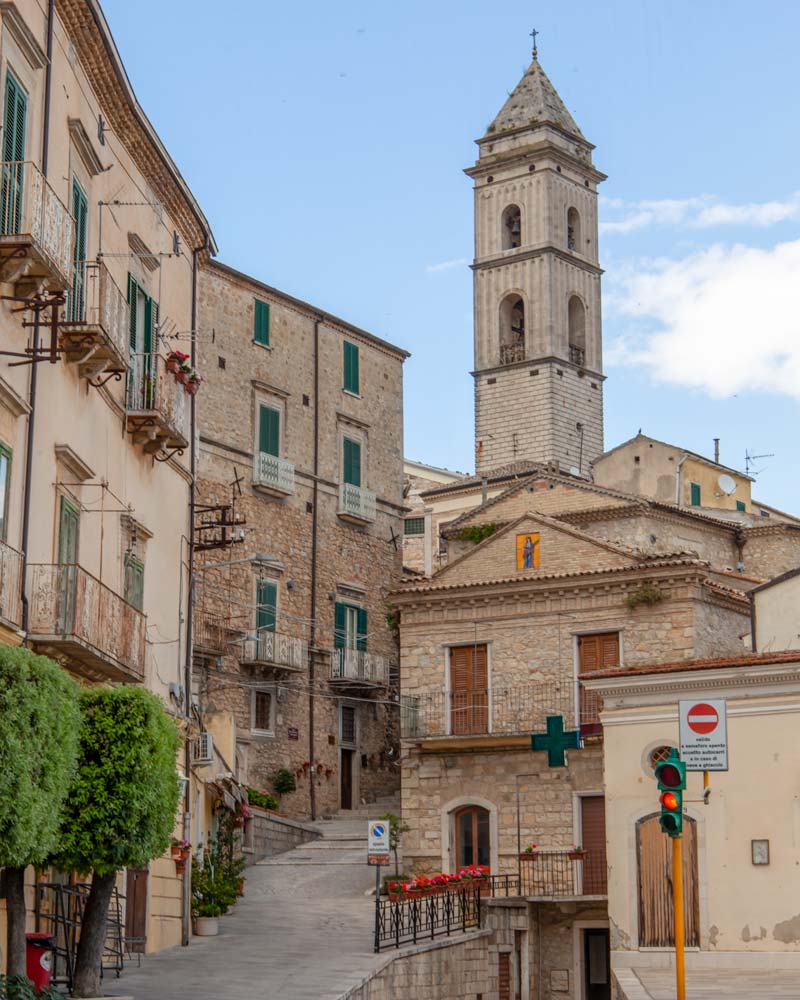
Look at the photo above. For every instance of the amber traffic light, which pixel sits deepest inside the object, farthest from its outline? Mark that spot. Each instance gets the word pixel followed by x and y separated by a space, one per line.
pixel 671 778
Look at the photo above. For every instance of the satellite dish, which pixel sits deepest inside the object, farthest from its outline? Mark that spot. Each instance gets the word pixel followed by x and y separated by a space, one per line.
pixel 727 484
pixel 575 471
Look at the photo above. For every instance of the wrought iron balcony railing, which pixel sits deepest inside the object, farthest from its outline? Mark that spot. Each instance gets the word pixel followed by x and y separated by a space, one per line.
pixel 511 353
pixel 275 649
pixel 356 503
pixel 562 873
pixel 577 355
pixel 514 710
pixel 357 666
pixel 407 921
pixel 157 405
pixel 10 585
pixel 96 324
pixel 74 614
pixel 34 221
pixel 273 474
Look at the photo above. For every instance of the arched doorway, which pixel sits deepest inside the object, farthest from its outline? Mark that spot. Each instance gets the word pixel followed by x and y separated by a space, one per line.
pixel 654 863
pixel 472 836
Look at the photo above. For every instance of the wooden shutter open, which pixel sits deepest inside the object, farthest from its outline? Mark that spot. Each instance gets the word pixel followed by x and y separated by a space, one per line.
pixel 269 431
pixel 339 625
pixel 261 323
pixel 266 605
pixel 352 462
pixel 351 373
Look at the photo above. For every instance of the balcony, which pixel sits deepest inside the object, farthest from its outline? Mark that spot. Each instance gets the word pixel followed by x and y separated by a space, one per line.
pixel 356 504
pixel 510 354
pixel 273 475
pixel 563 874
pixel 10 586
pixel 516 711
pixel 577 355
pixel 96 324
pixel 273 649
pixel 357 667
pixel 75 616
pixel 157 406
pixel 37 231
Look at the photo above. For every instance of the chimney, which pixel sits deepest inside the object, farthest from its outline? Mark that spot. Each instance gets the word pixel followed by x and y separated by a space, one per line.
pixel 716 450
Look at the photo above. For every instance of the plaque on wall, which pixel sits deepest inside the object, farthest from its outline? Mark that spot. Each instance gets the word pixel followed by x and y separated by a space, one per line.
pixel 294 733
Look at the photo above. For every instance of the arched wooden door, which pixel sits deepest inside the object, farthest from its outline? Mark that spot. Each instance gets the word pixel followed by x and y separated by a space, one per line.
pixel 654 862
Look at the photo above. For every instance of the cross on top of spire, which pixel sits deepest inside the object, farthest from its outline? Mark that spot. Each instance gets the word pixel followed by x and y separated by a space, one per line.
pixel 534 34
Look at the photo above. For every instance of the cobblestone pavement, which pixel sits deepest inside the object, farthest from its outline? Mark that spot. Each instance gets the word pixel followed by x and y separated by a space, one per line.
pixel 708 984
pixel 303 931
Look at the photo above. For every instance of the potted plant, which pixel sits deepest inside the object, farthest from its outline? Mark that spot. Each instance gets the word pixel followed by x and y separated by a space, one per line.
pixel 179 848
pixel 208 904
pixel 577 853
pixel 174 361
pixel 183 373
pixel 193 383
pixel 530 849
pixel 284 782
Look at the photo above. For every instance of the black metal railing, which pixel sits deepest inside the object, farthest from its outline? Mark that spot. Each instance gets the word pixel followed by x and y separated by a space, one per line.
pixel 504 886
pixel 407 921
pixel 562 873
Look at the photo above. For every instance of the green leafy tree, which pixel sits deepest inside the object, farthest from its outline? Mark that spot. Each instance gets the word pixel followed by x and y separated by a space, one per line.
pixel 39 724
pixel 120 811
pixel 396 830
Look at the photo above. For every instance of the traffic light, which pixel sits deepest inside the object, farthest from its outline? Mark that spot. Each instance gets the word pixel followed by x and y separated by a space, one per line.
pixel 671 778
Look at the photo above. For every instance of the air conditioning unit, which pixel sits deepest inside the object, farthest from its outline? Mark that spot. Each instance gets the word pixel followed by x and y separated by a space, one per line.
pixel 203 749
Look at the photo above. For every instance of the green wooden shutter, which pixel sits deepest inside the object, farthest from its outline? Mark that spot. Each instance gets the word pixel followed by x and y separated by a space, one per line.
pixel 351 379
pixel 352 462
pixel 134 581
pixel 261 324
pixel 339 625
pixel 77 307
pixel 741 505
pixel 16 106
pixel 269 431
pixel 5 489
pixel 266 605
pixel 361 640
pixel 67 533
pixel 695 494
pixel 132 316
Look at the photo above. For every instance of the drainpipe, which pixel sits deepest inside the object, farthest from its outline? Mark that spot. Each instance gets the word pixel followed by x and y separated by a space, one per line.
pixel 678 480
pixel 29 443
pixel 312 640
pixel 186 907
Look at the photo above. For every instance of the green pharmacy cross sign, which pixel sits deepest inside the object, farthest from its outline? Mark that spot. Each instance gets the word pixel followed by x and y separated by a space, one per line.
pixel 556 741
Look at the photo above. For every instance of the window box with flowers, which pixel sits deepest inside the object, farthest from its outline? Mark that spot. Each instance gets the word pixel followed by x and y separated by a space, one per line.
pixel 175 359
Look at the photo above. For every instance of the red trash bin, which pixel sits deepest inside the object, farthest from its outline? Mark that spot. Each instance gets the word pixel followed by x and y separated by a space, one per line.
pixel 39 959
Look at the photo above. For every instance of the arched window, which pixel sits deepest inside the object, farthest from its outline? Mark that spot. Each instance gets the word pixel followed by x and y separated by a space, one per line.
pixel 512 330
pixel 576 319
pixel 472 836
pixel 573 230
pixel 511 232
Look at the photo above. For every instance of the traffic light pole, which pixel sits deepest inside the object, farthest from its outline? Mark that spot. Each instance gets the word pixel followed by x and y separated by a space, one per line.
pixel 677 907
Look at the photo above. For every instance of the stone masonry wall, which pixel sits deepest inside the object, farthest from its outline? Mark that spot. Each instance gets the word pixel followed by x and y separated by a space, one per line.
pixel 267 835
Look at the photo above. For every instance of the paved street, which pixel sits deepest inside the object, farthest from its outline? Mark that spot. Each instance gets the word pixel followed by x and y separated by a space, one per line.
pixel 732 984
pixel 303 931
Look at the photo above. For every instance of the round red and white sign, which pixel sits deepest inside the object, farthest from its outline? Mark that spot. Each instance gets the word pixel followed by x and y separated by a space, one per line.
pixel 703 718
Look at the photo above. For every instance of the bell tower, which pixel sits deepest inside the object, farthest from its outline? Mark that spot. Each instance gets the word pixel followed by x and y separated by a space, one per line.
pixel 538 345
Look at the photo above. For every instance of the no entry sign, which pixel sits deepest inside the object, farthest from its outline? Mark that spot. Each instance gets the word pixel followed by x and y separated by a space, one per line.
pixel 704 735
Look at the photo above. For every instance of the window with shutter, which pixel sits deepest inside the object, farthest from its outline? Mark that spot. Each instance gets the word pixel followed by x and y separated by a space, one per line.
pixel 361 626
pixel 134 581
pixel 261 323
pixel 269 431
pixel 598 652
pixel 348 724
pixel 5 486
pixel 593 840
pixel 266 605
pixel 694 489
pixel 351 373
pixel 77 299
pixel 339 625
pixel 350 627
pixel 741 505
pixel 469 689
pixel 352 462
pixel 16 106
pixel 262 711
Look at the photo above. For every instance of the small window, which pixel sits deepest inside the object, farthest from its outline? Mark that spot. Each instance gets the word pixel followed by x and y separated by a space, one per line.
pixel 573 230
pixel 414 526
pixel 261 323
pixel 352 462
pixel 350 627
pixel 741 505
pixel 133 591
pixel 5 487
pixel 694 494
pixel 351 379
pixel 262 711
pixel 348 729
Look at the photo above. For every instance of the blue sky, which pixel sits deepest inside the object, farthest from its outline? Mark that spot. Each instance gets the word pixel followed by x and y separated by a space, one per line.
pixel 326 144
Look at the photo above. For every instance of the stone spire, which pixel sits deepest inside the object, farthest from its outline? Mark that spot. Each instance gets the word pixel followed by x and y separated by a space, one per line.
pixel 534 101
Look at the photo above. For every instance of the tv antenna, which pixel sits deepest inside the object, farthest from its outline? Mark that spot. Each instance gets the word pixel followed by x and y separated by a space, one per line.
pixel 750 460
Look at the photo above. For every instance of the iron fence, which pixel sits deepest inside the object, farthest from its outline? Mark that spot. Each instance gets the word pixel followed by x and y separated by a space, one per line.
pixel 504 886
pixel 556 874
pixel 152 389
pixel 30 208
pixel 10 584
pixel 513 710
pixel 96 300
pixel 408 921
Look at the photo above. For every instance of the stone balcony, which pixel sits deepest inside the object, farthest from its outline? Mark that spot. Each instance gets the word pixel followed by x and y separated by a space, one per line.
pixel 273 475
pixel 357 667
pixel 157 407
pixel 10 586
pixel 96 324
pixel 37 231
pixel 76 618
pixel 511 354
pixel 268 648
pixel 356 504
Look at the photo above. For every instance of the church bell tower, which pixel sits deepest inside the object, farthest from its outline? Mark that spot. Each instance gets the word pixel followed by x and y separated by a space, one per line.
pixel 538 346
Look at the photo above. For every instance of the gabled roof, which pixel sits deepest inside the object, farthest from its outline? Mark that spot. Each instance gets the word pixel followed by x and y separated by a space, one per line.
pixel 534 100
pixel 677 447
pixel 678 666
pixel 776 580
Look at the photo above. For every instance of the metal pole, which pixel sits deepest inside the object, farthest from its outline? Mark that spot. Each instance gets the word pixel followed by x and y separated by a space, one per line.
pixel 677 905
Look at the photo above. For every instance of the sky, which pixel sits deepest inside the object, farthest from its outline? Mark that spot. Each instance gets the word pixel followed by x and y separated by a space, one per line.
pixel 326 144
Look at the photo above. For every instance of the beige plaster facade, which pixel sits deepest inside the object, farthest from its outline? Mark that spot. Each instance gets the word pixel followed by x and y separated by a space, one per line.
pixel 776 614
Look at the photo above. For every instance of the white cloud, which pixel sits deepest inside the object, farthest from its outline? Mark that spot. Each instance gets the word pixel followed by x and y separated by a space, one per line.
pixel 447 265
pixel 695 213
pixel 724 320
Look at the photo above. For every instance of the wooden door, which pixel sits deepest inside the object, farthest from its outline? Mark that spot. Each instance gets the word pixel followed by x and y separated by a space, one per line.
pixel 593 839
pixel 596 965
pixel 469 690
pixel 347 779
pixel 472 837
pixel 654 860
pixel 136 910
